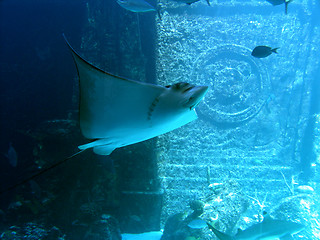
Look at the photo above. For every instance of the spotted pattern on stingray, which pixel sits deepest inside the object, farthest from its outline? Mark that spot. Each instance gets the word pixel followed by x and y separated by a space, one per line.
pixel 152 106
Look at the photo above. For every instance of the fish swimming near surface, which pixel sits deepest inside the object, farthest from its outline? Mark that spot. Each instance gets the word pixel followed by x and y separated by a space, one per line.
pixel 189 2
pixel 12 156
pixel 279 2
pixel 116 112
pixel 136 5
pixel 263 51
pixel 267 229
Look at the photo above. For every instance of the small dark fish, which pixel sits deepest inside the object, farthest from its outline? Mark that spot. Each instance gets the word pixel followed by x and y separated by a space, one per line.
pixel 263 51
pixel 279 2
pixel 12 156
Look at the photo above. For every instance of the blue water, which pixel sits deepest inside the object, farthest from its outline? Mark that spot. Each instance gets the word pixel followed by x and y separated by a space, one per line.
pixel 39 114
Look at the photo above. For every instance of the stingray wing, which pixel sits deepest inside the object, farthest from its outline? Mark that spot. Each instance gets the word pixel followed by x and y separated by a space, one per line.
pixel 110 106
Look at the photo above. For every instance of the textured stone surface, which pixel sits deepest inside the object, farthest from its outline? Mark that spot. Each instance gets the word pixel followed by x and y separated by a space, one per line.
pixel 253 117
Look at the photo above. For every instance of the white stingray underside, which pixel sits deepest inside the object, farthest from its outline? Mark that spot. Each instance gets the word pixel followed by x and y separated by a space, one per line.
pixel 119 112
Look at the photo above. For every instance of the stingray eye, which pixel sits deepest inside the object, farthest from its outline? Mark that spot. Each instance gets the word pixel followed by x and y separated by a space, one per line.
pixel 168 86
pixel 180 85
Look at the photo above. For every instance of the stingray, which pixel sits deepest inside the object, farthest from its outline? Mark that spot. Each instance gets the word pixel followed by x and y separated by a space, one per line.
pixel 116 112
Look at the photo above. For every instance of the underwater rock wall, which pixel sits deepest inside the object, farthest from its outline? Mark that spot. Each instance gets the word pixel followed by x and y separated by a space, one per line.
pixel 121 42
pixel 112 40
pixel 256 110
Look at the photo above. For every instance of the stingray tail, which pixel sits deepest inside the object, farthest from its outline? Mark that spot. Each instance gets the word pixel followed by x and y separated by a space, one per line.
pixel 40 173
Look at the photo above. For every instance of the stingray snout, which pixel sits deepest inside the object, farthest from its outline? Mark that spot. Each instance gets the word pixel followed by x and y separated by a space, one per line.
pixel 197 93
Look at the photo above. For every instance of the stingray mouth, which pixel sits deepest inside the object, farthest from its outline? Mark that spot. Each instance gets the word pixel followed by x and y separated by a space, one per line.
pixel 197 94
pixel 194 106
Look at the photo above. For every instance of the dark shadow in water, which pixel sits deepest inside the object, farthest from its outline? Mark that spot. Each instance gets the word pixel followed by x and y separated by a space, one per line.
pixel 36 74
